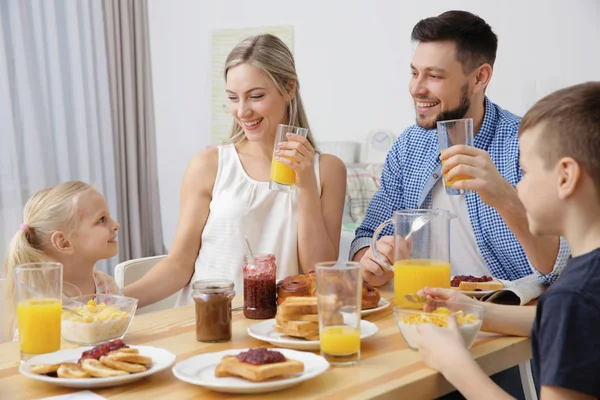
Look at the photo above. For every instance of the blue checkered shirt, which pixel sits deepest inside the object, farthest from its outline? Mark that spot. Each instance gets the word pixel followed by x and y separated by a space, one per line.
pixel 411 169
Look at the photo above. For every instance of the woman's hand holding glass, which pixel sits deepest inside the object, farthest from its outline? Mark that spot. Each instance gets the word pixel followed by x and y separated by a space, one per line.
pixel 298 154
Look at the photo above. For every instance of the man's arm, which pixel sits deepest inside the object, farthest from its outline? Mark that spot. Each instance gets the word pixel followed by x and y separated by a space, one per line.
pixel 381 205
pixel 495 191
pixel 542 251
pixel 379 210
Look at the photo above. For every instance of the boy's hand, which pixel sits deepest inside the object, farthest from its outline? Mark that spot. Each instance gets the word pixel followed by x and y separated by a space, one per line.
pixel 434 296
pixel 442 348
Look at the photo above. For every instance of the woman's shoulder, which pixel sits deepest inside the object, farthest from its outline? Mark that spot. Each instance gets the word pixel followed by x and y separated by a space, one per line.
pixel 203 165
pixel 332 166
pixel 332 171
pixel 205 160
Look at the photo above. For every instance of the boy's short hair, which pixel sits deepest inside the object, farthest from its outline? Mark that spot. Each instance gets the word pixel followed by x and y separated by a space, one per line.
pixel 571 127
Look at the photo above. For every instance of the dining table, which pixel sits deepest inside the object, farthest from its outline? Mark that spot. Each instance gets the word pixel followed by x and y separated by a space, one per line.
pixel 388 368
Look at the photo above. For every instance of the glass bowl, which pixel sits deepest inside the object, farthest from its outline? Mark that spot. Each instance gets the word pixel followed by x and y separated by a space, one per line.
pixel 469 318
pixel 93 319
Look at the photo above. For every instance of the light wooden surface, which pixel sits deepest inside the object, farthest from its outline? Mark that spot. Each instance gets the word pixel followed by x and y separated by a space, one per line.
pixel 388 368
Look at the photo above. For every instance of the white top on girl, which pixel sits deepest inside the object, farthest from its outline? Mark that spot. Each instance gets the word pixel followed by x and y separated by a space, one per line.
pixel 242 206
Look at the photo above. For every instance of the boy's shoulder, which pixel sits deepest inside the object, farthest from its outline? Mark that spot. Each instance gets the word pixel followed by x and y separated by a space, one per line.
pixel 580 276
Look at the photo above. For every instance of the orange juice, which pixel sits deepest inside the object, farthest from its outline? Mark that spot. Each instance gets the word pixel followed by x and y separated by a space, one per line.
pixel 39 325
pixel 340 340
pixel 458 178
pixel 281 173
pixel 410 276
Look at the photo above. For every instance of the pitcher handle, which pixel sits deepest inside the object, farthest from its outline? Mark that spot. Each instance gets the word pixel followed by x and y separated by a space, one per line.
pixel 374 245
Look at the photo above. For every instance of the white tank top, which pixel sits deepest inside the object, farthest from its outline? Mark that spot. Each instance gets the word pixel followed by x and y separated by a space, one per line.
pixel 242 206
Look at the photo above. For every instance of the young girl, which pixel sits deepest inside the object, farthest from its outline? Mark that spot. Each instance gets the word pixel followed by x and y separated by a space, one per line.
pixel 69 223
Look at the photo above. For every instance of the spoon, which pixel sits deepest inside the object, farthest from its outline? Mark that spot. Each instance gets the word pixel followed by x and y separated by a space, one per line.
pixel 415 298
pixel 418 224
pixel 249 248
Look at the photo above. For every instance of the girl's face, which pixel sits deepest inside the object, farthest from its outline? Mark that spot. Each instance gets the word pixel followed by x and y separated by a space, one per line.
pixel 255 102
pixel 95 237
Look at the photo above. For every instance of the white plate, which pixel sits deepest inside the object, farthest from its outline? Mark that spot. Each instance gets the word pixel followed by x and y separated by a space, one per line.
pixel 383 303
pixel 161 360
pixel 200 370
pixel 264 331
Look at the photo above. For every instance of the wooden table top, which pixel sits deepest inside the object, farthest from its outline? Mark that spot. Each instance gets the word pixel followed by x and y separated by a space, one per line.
pixel 387 369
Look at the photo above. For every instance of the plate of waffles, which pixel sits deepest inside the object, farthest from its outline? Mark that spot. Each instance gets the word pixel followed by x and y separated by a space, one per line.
pixel 112 368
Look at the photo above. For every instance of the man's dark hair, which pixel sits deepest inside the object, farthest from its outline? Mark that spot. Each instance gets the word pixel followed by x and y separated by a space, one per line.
pixel 476 44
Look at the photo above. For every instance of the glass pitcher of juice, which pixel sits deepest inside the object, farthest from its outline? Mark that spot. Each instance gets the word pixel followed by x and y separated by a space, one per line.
pixel 426 233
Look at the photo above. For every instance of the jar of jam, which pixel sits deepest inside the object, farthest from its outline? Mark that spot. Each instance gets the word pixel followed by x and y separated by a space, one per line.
pixel 259 286
pixel 212 298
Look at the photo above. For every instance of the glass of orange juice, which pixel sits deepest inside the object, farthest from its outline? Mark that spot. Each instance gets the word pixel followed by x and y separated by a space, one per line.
pixel 450 133
pixel 38 291
pixel 339 293
pixel 283 177
pixel 426 236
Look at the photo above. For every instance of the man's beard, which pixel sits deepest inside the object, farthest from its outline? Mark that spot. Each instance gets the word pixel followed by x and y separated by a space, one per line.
pixel 457 113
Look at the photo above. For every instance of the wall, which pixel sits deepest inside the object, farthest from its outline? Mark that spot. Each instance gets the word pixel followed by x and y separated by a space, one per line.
pixel 353 62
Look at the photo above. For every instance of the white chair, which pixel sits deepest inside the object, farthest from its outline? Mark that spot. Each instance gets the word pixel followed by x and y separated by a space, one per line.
pixel 3 318
pixel 527 381
pixel 130 271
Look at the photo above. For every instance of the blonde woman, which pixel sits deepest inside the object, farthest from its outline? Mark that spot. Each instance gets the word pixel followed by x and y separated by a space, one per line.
pixel 225 194
pixel 71 224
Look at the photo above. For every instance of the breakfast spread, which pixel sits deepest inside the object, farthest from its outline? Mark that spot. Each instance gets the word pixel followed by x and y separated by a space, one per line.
pixel 297 286
pixel 107 360
pixel 298 317
pixel 305 285
pixel 259 287
pixel 258 365
pixel 94 323
pixel 468 324
pixel 474 283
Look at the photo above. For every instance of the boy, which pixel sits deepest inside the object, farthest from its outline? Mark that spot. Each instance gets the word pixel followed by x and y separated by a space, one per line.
pixel 560 155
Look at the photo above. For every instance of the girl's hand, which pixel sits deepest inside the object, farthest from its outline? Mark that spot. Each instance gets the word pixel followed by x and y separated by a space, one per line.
pixel 442 348
pixel 298 154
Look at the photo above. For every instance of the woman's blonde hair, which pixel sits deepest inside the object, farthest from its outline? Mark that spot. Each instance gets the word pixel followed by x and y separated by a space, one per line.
pixel 269 54
pixel 49 210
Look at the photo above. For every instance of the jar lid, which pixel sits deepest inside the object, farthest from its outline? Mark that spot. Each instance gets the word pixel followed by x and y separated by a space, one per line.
pixel 213 285
pixel 259 258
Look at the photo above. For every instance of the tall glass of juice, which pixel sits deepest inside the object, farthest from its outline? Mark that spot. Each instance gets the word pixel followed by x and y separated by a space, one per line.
pixel 451 133
pixel 38 291
pixel 283 177
pixel 339 293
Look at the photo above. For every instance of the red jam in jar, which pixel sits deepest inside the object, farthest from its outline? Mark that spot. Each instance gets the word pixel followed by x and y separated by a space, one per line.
pixel 259 286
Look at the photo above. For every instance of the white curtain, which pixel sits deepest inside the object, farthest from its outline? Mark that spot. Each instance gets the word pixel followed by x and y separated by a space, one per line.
pixel 55 121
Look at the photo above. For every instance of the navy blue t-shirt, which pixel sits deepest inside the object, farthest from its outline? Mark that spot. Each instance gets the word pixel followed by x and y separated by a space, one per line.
pixel 566 333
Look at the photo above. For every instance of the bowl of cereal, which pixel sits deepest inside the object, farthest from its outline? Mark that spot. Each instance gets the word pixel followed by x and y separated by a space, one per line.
pixel 93 319
pixel 469 318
